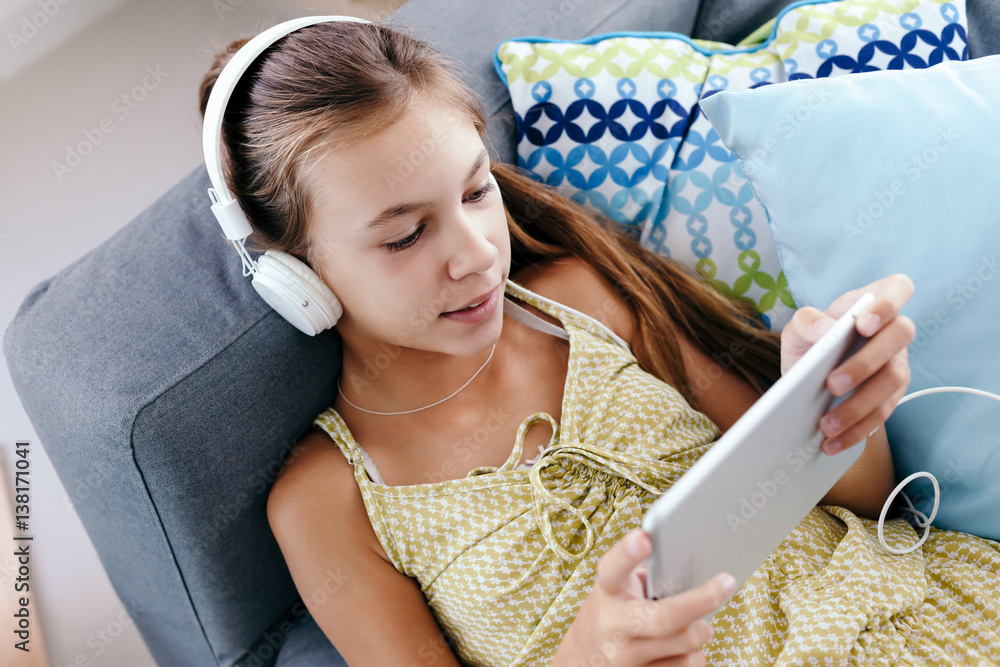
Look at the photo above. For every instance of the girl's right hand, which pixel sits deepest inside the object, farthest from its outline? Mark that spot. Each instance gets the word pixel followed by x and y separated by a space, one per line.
pixel 618 623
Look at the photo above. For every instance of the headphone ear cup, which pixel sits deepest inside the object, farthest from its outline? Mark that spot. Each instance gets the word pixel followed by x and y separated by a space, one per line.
pixel 293 289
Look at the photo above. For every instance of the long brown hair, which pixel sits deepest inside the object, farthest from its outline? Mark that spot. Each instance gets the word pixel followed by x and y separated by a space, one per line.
pixel 330 85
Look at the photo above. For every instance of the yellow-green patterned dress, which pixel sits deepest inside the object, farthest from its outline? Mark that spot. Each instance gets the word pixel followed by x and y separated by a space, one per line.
pixel 506 556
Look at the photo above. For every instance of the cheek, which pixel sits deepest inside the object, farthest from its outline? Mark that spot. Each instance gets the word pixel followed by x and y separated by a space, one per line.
pixel 429 307
pixel 326 249
pixel 499 232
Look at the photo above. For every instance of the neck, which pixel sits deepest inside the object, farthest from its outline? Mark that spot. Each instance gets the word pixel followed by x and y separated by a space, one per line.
pixel 386 377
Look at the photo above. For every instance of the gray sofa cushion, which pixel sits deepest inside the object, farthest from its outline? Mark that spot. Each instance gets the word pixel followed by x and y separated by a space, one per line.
pixel 168 395
pixel 151 367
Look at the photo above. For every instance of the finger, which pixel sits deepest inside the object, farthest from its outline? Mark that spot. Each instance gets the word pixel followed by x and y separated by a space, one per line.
pixel 802 331
pixel 876 353
pixel 855 434
pixel 693 659
pixel 890 297
pixel 807 326
pixel 847 299
pixel 885 387
pixel 891 294
pixel 876 400
pixel 616 565
pixel 804 319
pixel 670 615
pixel 688 640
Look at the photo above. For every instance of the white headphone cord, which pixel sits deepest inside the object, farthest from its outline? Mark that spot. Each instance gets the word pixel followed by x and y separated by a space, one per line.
pixel 248 264
pixel 921 519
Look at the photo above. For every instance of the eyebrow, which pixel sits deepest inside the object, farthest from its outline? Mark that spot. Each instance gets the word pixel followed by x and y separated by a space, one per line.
pixel 393 212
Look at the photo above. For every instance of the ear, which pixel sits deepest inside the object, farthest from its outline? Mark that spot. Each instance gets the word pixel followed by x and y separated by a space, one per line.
pixel 305 252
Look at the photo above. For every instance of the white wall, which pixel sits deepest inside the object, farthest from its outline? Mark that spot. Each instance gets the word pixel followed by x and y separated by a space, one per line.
pixel 61 88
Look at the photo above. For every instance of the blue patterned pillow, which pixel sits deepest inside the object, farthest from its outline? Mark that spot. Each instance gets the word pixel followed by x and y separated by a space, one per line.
pixel 613 121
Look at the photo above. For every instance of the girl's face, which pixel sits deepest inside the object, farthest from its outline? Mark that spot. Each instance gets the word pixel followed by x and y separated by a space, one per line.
pixel 407 225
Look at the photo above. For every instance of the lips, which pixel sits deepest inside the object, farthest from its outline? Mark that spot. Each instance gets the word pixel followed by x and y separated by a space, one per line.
pixel 479 299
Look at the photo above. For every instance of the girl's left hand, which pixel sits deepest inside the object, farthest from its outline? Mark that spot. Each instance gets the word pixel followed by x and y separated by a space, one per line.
pixel 880 370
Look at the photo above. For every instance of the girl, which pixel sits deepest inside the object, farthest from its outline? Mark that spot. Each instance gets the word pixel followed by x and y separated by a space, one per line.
pixel 479 303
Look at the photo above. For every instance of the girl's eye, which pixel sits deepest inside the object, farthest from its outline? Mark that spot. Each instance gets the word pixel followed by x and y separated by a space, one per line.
pixel 402 244
pixel 410 240
pixel 479 195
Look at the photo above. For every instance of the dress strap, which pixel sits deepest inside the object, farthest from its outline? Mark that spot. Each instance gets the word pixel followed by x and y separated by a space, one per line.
pixel 562 313
pixel 515 455
pixel 522 430
pixel 348 446
pixel 330 421
pixel 525 316
pixel 552 496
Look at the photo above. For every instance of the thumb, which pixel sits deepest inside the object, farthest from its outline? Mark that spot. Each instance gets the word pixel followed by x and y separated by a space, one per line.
pixel 616 565
pixel 817 323
pixel 807 326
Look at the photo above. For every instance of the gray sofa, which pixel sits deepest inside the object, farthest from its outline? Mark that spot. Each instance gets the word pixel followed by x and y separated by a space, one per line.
pixel 168 395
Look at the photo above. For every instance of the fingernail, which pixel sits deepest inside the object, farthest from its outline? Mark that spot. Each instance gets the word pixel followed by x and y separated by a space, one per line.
pixel 728 583
pixel 832 447
pixel 634 545
pixel 830 425
pixel 840 383
pixel 870 324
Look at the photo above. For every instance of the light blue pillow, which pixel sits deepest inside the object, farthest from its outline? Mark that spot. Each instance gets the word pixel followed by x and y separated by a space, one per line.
pixel 613 121
pixel 886 172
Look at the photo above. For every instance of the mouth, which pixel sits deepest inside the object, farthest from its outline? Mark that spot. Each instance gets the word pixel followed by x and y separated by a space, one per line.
pixel 477 301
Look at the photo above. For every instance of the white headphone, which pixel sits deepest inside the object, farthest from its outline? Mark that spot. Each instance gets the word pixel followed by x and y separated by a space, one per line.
pixel 286 283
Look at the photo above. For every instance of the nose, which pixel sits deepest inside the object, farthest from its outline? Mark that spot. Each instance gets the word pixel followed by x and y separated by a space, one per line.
pixel 471 250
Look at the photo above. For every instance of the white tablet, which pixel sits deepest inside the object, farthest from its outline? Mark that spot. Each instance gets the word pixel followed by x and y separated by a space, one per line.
pixel 743 497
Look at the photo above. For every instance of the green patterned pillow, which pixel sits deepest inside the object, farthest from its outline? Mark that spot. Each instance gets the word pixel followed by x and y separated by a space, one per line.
pixel 613 121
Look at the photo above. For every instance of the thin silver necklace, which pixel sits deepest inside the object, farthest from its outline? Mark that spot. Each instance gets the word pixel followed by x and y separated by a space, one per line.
pixel 404 412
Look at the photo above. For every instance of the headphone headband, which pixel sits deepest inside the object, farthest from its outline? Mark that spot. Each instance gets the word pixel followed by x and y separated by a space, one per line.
pixel 287 284
pixel 229 214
